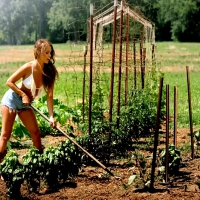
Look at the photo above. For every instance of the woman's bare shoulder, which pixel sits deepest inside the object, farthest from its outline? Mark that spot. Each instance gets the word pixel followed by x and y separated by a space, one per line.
pixel 27 65
pixel 26 68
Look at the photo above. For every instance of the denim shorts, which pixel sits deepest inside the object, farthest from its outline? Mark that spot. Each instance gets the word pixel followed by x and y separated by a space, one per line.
pixel 13 101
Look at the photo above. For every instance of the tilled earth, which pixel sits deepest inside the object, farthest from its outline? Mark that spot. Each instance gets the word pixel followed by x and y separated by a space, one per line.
pixel 93 183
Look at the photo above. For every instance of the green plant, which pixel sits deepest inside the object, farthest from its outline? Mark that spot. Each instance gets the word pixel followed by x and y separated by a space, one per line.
pixel 19 132
pixel 197 136
pixel 63 114
pixel 54 166
pixel 141 175
pixel 138 117
pixel 174 160
pixel 12 173
pixel 32 161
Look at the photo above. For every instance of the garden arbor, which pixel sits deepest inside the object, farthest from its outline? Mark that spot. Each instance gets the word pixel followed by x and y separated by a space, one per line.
pixel 137 25
pixel 133 39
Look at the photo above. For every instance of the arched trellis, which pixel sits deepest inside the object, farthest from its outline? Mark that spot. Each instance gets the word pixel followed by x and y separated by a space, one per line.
pixel 107 17
pixel 142 32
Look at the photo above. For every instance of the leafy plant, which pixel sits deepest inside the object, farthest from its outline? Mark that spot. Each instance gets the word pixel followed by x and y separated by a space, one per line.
pixel 19 131
pixel 138 117
pixel 32 161
pixel 140 170
pixel 12 173
pixel 63 114
pixel 54 166
pixel 197 135
pixel 174 160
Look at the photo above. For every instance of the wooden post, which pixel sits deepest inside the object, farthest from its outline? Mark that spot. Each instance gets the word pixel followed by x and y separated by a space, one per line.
pixel 175 114
pixel 167 136
pixel 112 67
pixel 120 65
pixel 156 134
pixel 190 112
pixel 91 64
pixel 84 71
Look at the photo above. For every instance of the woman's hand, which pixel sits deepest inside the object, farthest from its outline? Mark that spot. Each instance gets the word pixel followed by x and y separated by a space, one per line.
pixel 52 122
pixel 25 99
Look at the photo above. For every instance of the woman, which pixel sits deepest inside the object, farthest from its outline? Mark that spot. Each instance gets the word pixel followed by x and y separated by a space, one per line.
pixel 36 76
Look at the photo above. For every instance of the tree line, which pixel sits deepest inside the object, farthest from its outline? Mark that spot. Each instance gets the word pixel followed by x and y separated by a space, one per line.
pixel 24 21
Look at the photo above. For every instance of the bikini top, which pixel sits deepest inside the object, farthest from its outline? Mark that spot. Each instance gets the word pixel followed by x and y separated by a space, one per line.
pixel 29 83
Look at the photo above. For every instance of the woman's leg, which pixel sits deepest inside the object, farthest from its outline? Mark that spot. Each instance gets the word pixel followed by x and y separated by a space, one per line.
pixel 29 120
pixel 8 119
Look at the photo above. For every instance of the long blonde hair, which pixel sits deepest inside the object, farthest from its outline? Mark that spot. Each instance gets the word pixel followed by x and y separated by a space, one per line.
pixel 50 72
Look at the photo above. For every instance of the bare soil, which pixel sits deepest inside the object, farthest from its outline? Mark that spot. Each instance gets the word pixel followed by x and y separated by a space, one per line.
pixel 93 184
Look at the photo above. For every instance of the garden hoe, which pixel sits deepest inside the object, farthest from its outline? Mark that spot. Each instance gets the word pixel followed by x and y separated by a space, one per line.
pixel 86 152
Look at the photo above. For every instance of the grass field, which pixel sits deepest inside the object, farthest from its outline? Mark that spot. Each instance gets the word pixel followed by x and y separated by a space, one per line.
pixel 171 57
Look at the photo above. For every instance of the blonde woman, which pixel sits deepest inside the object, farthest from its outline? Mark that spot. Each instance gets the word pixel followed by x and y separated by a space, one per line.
pixel 36 76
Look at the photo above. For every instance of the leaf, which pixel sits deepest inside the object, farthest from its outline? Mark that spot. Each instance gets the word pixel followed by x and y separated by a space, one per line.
pixel 35 160
pixel 163 153
pixel 161 169
pixel 197 135
pixel 198 184
pixel 149 157
pixel 132 168
pixel 131 179
pixel 148 183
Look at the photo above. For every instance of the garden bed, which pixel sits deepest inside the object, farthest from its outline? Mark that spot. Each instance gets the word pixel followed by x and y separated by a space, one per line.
pixel 92 182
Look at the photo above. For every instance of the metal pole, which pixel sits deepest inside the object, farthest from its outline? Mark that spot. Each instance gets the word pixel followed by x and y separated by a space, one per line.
pixel 175 114
pixel 134 62
pixel 112 67
pixel 143 65
pixel 91 64
pixel 167 135
pixel 156 133
pixel 127 63
pixel 190 112
pixel 153 54
pixel 120 64
pixel 84 71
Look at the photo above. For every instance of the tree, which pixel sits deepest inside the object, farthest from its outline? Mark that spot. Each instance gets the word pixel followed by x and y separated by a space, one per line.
pixel 15 15
pixel 42 7
pixel 72 16
pixel 178 14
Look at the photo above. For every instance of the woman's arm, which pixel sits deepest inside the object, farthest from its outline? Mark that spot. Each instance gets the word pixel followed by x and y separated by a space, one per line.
pixel 16 76
pixel 50 105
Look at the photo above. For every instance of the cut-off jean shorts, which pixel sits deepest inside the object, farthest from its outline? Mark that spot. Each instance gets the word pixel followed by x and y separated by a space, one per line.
pixel 13 101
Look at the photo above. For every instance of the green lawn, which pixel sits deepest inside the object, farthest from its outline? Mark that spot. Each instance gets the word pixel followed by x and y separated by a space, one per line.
pixel 173 56
pixel 179 79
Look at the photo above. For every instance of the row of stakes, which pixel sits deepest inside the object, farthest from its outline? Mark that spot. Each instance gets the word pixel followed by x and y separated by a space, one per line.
pixel 167 125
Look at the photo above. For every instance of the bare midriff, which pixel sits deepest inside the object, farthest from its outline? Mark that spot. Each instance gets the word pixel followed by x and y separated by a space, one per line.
pixel 27 92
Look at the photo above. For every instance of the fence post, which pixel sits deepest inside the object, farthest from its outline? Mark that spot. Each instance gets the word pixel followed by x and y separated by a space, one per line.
pixel 84 71
pixel 156 133
pixel 167 136
pixel 120 65
pixel 91 64
pixel 127 63
pixel 190 112
pixel 134 63
pixel 175 114
pixel 112 67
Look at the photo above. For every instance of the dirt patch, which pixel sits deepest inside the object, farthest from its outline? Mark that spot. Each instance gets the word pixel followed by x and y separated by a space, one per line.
pixel 108 70
pixel 92 182
pixel 71 57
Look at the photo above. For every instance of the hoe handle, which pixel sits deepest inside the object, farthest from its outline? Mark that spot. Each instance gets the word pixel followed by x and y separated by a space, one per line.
pixel 86 152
